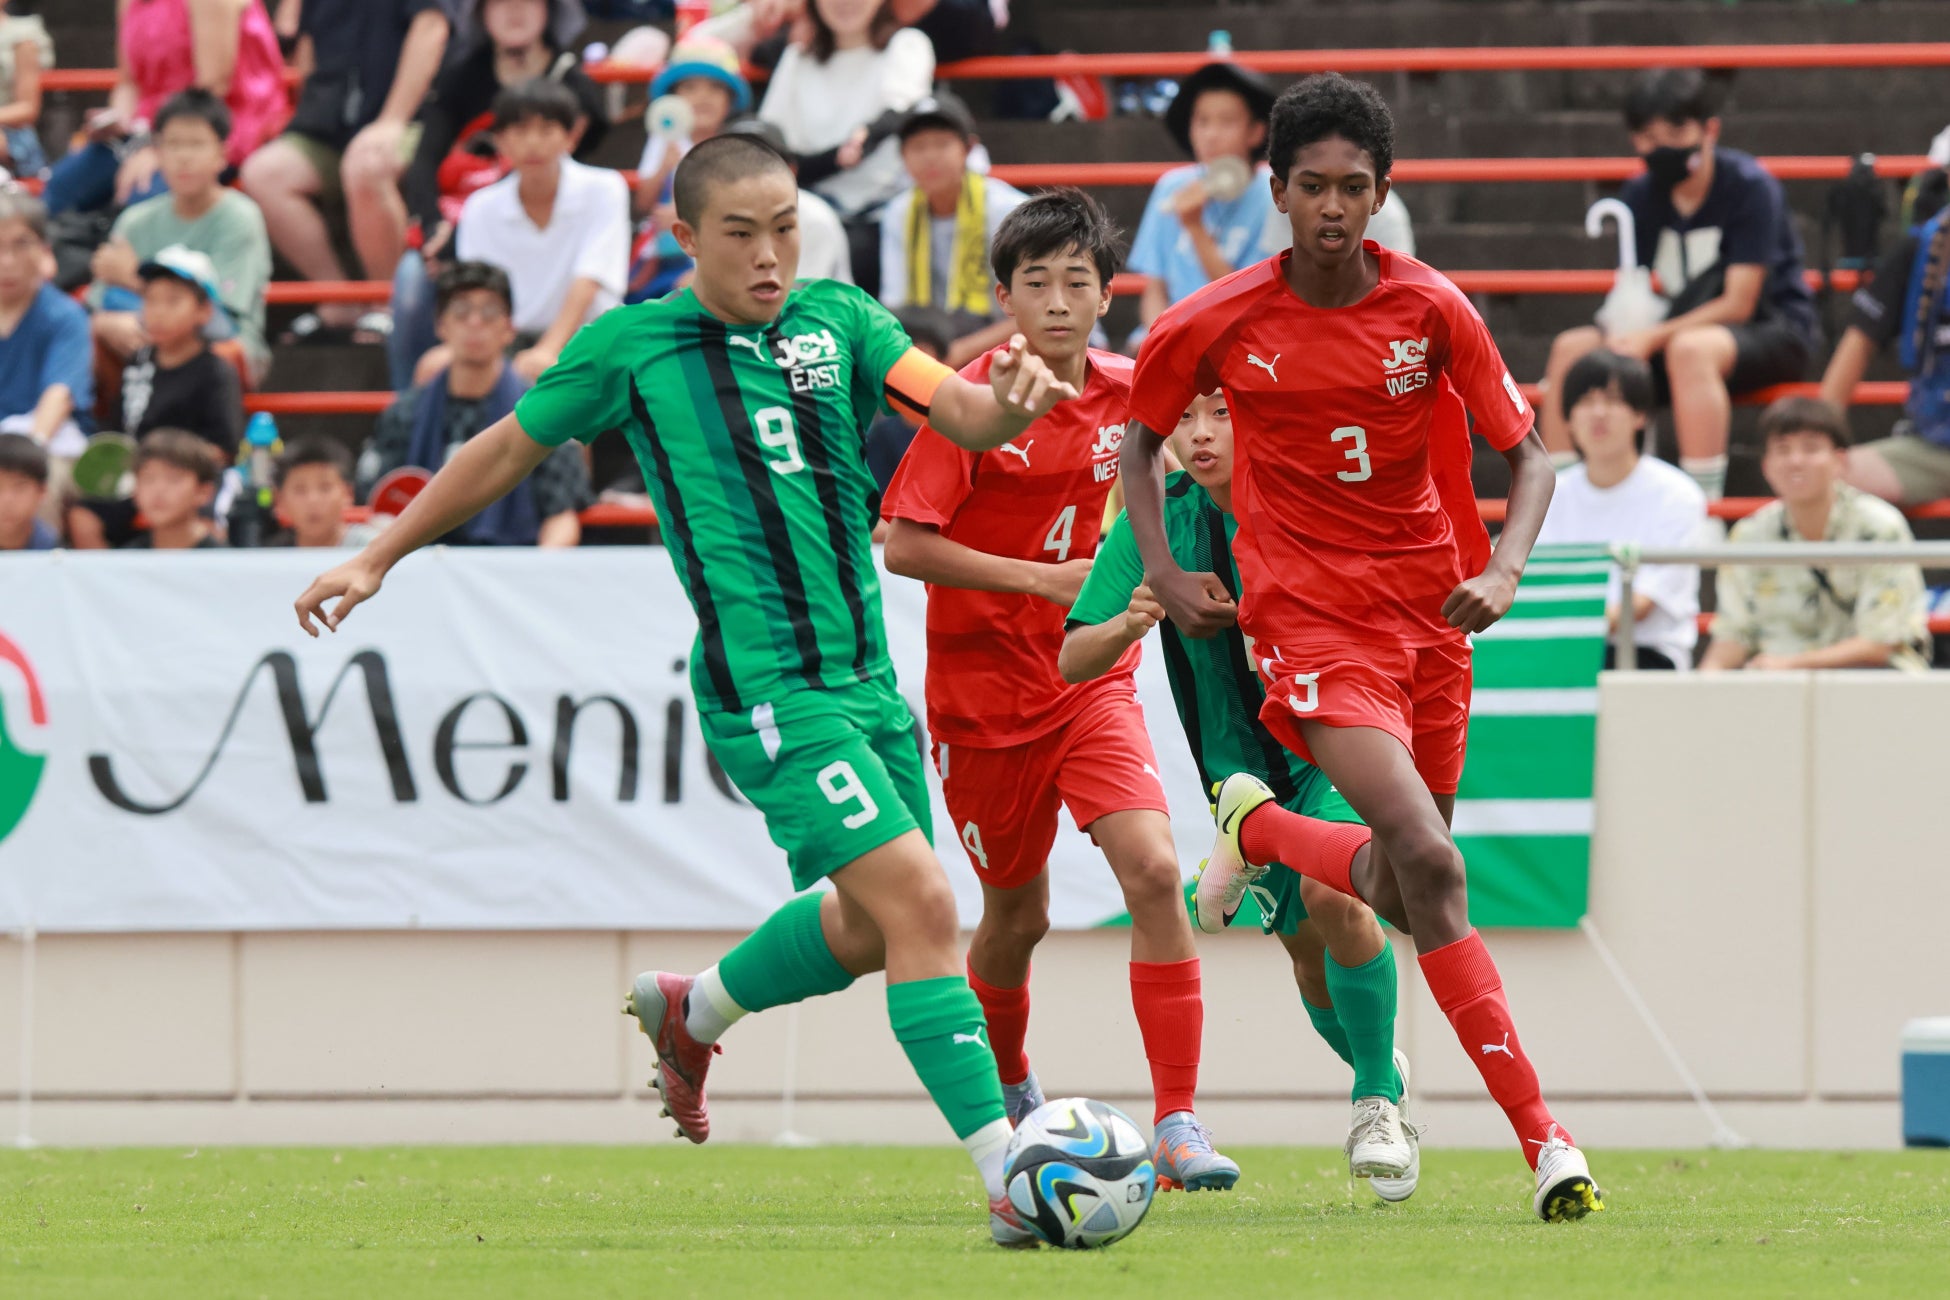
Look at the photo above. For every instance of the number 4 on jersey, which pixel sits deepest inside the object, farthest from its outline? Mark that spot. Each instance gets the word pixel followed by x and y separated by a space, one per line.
pixel 1059 534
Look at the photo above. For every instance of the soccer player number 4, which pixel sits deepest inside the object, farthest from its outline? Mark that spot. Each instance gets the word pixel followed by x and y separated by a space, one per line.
pixel 841 785
pixel 1357 453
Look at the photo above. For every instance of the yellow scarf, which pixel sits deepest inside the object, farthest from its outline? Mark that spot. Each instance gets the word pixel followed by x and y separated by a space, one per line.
pixel 968 276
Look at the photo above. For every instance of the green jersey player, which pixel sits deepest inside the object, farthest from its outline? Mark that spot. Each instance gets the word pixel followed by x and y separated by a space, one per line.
pixel 745 398
pixel 1341 960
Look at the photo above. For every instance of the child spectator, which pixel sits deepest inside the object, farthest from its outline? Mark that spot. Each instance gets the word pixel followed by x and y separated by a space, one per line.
pixel 176 477
pixel 935 238
pixel 199 213
pixel 704 74
pixel 23 490
pixel 425 425
pixel 559 229
pixel 372 63
pixel 1905 303
pixel 175 381
pixel 1618 494
pixel 1189 237
pixel 47 381
pixel 26 51
pixel 1713 225
pixel 314 490
pixel 1850 616
pixel 823 250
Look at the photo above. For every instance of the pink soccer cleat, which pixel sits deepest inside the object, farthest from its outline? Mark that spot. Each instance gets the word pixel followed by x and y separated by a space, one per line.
pixel 657 1001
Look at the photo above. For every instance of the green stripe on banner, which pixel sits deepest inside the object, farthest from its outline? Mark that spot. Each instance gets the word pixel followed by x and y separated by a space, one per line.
pixel 1529 665
pixel 1531 881
pixel 1529 757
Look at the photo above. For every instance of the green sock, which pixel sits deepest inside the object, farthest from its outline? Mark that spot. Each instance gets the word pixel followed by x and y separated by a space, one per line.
pixel 785 960
pixel 939 1025
pixel 1364 999
pixel 1327 1023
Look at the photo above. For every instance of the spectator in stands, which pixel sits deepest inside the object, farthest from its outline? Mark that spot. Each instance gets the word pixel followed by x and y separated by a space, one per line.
pixel 1620 494
pixel 23 491
pixel 703 72
pixel 823 250
pixel 26 51
pixel 1714 226
pixel 372 63
pixel 425 425
pixel 47 381
pixel 314 490
pixel 176 477
pixel 1906 303
pixel 932 331
pixel 956 29
pixel 200 214
pixel 164 47
pixel 935 237
pixel 175 381
pixel 1190 236
pixel 1849 616
pixel 838 96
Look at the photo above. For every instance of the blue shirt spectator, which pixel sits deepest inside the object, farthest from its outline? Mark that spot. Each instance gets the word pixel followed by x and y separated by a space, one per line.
pixel 1163 247
pixel 47 381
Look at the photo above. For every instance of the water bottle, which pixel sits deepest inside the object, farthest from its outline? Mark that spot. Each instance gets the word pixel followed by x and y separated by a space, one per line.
pixel 1219 44
pixel 253 504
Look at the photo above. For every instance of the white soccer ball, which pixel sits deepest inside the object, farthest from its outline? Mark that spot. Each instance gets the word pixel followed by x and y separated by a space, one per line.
pixel 1080 1173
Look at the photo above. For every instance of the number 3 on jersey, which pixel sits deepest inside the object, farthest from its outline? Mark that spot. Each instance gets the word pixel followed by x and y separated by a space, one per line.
pixel 1059 534
pixel 1358 453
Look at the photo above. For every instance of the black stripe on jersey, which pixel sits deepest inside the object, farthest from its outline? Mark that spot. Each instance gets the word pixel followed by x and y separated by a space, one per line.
pixel 819 463
pixel 764 494
pixel 717 668
pixel 1178 666
pixel 1274 754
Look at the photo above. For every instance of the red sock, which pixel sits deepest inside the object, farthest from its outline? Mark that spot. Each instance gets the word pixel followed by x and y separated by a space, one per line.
pixel 1007 1011
pixel 1319 850
pixel 1470 992
pixel 1171 1016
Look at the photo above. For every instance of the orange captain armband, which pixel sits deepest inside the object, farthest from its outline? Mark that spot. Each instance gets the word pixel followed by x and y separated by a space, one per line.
pixel 913 382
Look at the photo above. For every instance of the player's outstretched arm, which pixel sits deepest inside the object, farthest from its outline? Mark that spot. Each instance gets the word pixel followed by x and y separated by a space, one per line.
pixel 486 468
pixel 1198 604
pixel 1091 651
pixel 1483 599
pixel 981 417
pixel 918 550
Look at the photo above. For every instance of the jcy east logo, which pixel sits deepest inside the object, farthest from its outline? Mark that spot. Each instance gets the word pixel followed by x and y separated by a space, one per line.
pixel 23 716
pixel 812 360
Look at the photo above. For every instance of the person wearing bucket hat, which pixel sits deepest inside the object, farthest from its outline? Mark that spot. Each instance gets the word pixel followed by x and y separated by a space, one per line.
pixel 935 238
pixel 1210 218
pixel 698 91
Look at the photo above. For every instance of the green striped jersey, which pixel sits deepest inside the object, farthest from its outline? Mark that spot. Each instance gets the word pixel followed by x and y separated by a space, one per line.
pixel 751 441
pixel 1212 681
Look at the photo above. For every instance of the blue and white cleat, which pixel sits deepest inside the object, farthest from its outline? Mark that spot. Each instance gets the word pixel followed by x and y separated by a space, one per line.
pixel 1022 1098
pixel 1225 874
pixel 1185 1159
pixel 1403 1187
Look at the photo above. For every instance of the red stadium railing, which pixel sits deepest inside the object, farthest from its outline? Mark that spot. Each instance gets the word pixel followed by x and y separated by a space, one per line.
pixel 1463 171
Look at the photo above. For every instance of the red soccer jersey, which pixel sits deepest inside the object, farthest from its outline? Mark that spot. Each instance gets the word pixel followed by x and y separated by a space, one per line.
pixel 1349 452
pixel 992 678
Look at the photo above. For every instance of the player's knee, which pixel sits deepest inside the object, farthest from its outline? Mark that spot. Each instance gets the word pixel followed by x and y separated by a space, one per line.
pixel 926 914
pixel 1426 862
pixel 1152 886
pixel 1025 925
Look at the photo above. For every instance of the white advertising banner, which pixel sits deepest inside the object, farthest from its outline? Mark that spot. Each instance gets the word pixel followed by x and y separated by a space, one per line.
pixel 500 740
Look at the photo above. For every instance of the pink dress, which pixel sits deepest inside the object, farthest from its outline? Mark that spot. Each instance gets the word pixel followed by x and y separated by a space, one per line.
pixel 156 43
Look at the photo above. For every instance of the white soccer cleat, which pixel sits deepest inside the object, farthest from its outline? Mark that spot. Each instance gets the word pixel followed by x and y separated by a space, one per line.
pixel 1565 1189
pixel 1224 876
pixel 1400 1189
pixel 1375 1143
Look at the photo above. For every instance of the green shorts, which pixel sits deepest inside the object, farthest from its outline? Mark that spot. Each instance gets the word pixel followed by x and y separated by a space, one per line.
pixel 325 159
pixel 836 773
pixel 1277 893
pixel 1920 466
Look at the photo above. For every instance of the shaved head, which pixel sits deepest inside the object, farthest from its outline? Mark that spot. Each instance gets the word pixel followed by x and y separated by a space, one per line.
pixel 716 163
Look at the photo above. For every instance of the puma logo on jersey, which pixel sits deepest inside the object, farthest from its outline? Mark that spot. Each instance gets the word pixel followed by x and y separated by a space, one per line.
pixel 1405 354
pixel 756 345
pixel 1267 366
pixel 1022 451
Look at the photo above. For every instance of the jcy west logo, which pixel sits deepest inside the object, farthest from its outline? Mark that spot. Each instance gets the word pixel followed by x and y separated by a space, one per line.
pixel 1103 452
pixel 1406 367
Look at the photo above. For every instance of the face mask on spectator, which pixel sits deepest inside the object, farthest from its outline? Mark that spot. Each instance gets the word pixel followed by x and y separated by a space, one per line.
pixel 1668 165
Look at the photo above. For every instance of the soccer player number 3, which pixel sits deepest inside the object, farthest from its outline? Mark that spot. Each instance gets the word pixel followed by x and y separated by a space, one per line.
pixel 1358 453
pixel 841 785
pixel 775 431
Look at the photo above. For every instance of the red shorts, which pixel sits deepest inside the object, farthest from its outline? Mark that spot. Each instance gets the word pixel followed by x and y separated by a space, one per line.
pixel 1417 694
pixel 1003 801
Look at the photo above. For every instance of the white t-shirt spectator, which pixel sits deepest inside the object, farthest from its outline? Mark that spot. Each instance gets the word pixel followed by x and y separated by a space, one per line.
pixel 818 105
pixel 1655 505
pixel 587 237
pixel 823 251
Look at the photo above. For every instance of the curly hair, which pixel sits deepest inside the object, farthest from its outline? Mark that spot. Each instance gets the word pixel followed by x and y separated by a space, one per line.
pixel 1325 105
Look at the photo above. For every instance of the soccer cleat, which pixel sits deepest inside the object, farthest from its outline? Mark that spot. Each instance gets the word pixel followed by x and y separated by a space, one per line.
pixel 1400 1189
pixel 657 1002
pixel 1224 875
pixel 1006 1226
pixel 1022 1098
pixel 1565 1189
pixel 1375 1142
pixel 1185 1159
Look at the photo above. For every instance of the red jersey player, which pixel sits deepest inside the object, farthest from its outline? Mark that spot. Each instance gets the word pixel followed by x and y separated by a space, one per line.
pixel 1003 539
pixel 1339 360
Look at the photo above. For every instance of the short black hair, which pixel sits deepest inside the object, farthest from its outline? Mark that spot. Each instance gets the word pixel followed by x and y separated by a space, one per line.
pixel 469 277
pixel 543 97
pixel 1328 104
pixel 1671 95
pixel 20 454
pixel 314 451
pixel 930 328
pixel 194 103
pixel 184 450
pixel 721 160
pixel 1054 222
pixel 1601 370
pixel 1805 415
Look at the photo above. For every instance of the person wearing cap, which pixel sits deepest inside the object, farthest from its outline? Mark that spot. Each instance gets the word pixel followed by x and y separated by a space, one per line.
pixel 175 380
pixel 935 238
pixel 1207 219
pixel 703 74
pixel 199 214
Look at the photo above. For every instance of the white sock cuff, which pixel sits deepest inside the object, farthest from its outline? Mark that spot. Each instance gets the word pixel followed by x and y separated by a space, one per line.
pixel 711 986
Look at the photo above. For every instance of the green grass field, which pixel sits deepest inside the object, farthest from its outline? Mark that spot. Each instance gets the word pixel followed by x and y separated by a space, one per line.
pixel 398 1224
